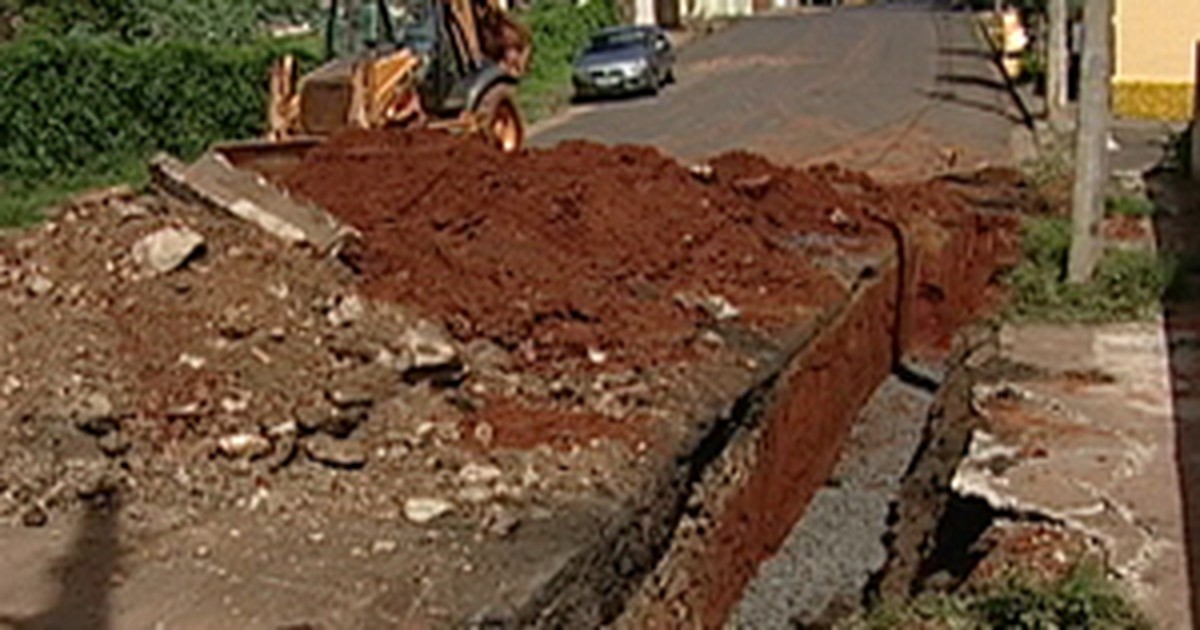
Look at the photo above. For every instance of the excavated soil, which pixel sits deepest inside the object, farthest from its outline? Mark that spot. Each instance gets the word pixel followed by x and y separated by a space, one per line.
pixel 584 255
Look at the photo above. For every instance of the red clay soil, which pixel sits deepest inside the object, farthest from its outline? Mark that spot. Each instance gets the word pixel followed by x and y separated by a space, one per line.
pixel 517 425
pixel 555 253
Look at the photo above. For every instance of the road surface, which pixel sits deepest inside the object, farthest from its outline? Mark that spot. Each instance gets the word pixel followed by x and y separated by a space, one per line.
pixel 899 90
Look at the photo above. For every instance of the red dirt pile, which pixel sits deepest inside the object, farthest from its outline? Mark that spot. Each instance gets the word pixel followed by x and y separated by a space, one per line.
pixel 581 250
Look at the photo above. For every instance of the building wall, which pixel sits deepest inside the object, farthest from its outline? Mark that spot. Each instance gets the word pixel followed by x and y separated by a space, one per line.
pixel 1155 58
pixel 704 9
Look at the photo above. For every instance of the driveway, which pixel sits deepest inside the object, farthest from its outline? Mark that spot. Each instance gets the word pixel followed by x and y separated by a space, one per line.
pixel 901 90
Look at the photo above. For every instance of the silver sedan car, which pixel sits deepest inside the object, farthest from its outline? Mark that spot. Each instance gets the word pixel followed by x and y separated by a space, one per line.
pixel 624 60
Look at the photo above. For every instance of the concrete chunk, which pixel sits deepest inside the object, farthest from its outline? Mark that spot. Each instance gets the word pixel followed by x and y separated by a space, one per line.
pixel 168 249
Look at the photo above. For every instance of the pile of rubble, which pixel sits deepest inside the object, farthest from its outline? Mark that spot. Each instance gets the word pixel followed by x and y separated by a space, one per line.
pixel 191 362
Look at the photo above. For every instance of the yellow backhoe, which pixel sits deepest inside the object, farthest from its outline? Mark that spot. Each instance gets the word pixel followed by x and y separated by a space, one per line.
pixel 442 63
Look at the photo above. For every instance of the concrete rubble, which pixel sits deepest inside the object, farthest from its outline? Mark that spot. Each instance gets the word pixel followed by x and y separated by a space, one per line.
pixel 167 249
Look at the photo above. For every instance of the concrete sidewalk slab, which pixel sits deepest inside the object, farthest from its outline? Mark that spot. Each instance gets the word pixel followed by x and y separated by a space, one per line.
pixel 1094 445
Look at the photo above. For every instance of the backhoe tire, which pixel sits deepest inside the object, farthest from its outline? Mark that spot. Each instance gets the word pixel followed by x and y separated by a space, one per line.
pixel 499 118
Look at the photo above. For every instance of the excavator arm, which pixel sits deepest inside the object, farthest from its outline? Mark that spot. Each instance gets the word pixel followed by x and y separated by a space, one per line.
pixel 489 33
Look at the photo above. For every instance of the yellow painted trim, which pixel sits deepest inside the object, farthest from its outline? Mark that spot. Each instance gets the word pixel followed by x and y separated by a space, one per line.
pixel 1150 100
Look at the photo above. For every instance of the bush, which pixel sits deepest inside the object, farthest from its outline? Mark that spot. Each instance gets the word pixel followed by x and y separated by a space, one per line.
pixel 78 106
pixel 135 21
pixel 1127 285
pixel 88 111
pixel 560 29
pixel 1083 599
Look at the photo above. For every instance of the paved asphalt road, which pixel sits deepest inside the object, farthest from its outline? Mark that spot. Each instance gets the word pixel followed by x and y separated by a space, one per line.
pixel 894 89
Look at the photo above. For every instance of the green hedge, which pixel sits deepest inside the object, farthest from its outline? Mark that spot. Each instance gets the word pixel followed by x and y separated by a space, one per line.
pixel 560 28
pixel 77 106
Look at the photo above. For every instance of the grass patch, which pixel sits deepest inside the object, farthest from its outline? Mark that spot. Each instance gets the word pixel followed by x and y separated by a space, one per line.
pixel 1129 206
pixel 22 203
pixel 1084 598
pixel 1128 284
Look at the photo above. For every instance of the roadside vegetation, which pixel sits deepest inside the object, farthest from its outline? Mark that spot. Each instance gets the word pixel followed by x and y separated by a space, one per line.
pixel 1130 281
pixel 1084 598
pixel 1128 284
pixel 1132 206
pixel 93 88
pixel 560 29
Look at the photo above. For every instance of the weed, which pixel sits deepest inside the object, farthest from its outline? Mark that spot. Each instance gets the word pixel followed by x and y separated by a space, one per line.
pixel 1084 598
pixel 1129 206
pixel 559 30
pixel 1051 173
pixel 1033 67
pixel 1127 285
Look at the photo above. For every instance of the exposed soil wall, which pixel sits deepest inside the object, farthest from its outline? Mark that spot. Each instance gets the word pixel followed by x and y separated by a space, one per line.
pixel 811 412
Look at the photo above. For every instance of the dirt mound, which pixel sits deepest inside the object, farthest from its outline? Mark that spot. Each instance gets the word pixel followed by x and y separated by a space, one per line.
pixel 584 251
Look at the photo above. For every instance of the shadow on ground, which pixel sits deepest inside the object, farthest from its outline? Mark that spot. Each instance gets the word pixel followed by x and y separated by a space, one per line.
pixel 950 96
pixel 975 70
pixel 1179 234
pixel 965 51
pixel 84 575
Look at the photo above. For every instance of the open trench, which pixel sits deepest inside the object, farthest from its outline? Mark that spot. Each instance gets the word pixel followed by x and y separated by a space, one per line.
pixel 830 486
pixel 881 522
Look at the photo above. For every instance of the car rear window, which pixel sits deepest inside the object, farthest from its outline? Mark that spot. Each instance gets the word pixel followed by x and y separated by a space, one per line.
pixel 613 41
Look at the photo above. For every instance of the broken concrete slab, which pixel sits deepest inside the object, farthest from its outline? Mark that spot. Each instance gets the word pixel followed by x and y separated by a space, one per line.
pixel 1092 446
pixel 212 180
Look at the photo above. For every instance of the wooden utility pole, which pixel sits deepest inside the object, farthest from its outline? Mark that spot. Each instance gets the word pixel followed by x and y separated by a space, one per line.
pixel 1058 60
pixel 1091 154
